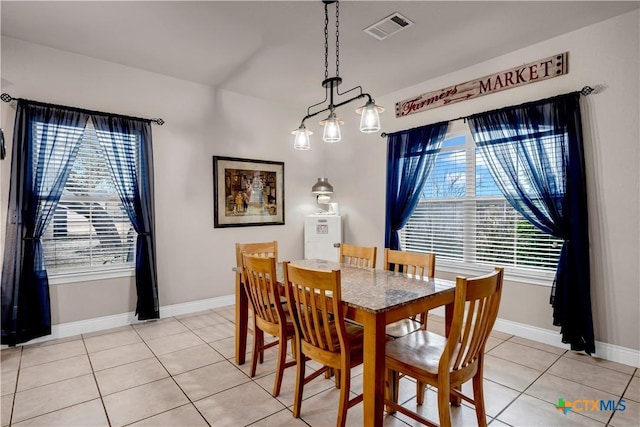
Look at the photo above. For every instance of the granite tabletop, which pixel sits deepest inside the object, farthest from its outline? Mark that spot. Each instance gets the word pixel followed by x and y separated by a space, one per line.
pixel 376 290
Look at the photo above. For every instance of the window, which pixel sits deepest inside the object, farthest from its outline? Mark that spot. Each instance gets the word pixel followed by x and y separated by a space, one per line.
pixel 464 219
pixel 90 230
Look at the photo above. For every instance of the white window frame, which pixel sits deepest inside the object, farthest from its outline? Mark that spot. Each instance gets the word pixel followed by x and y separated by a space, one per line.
pixel 59 277
pixel 515 274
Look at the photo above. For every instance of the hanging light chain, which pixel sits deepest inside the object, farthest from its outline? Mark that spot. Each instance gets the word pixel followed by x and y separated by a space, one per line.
pixel 337 39
pixel 326 41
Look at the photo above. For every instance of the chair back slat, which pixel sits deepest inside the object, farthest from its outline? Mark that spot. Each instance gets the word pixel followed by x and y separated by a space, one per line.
pixel 262 289
pixel 475 310
pixel 479 333
pixel 314 299
pixel 414 263
pixel 358 256
pixel 465 335
pixel 306 332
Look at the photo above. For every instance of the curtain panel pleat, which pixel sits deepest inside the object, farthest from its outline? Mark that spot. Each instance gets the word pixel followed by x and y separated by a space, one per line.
pixel 134 184
pixel 535 154
pixel 38 176
pixel 411 155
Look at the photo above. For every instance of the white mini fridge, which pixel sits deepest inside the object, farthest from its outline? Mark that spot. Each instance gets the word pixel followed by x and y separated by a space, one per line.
pixel 322 237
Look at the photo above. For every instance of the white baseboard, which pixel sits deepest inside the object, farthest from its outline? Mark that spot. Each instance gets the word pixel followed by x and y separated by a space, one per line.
pixel 195 306
pixel 70 329
pixel 606 351
pixel 611 352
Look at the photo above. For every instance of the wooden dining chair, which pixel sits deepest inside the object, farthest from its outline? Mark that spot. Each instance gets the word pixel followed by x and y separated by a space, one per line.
pixel 359 256
pixel 447 363
pixel 264 249
pixel 314 299
pixel 263 291
pixel 416 264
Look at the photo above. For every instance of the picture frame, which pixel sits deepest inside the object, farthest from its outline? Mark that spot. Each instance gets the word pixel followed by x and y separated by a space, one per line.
pixel 247 192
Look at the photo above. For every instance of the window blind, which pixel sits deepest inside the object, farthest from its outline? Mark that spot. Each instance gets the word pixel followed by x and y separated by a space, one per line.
pixel 90 229
pixel 462 216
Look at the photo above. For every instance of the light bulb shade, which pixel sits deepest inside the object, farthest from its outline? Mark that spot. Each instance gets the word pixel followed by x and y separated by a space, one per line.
pixel 370 120
pixel 301 138
pixel 331 128
pixel 331 132
pixel 322 186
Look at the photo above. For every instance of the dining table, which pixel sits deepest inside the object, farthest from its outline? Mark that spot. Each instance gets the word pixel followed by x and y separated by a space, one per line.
pixel 374 298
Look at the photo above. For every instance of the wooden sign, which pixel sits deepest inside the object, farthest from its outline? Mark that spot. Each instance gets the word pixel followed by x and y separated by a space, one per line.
pixel 543 69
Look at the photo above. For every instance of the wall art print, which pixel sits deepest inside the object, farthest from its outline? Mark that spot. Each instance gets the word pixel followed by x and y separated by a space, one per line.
pixel 247 192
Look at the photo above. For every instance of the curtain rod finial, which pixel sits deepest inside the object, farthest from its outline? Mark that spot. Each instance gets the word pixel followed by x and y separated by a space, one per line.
pixel 587 90
pixel 6 97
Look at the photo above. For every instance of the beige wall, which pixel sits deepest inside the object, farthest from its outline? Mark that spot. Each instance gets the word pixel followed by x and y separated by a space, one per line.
pixel 603 54
pixel 195 259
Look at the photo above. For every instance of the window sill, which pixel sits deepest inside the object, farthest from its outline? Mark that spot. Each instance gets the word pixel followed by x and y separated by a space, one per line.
pixel 73 276
pixel 530 277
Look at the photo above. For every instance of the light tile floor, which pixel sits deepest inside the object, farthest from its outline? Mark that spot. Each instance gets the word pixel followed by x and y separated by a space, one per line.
pixel 180 371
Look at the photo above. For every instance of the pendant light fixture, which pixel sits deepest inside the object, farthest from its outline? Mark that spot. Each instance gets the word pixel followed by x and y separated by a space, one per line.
pixel 370 120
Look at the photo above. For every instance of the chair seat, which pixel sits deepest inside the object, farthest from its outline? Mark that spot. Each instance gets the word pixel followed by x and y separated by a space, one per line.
pixel 420 350
pixel 402 327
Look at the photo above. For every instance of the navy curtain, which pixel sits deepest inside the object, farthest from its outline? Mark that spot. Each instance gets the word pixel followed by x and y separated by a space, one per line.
pixel 45 144
pixel 127 145
pixel 411 155
pixel 535 154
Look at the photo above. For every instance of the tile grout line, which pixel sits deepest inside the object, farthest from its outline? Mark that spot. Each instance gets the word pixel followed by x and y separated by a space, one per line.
pixel 526 388
pixel 621 396
pixel 44 385
pixel 95 379
pixel 606 423
pixel 225 359
pixel 15 390
pixel 172 377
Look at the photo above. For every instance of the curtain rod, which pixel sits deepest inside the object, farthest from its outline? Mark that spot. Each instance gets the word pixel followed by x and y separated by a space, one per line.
pixel 587 90
pixel 8 98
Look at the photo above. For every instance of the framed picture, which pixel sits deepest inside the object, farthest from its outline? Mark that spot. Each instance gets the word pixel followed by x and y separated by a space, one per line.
pixel 247 192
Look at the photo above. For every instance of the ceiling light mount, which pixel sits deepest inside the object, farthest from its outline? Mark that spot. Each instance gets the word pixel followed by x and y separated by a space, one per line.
pixel 332 82
pixel 333 99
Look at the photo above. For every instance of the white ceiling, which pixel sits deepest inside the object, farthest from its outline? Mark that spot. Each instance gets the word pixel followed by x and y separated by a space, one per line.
pixel 275 50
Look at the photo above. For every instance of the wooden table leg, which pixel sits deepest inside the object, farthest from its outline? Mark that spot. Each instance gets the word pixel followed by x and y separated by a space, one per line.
pixel 374 354
pixel 242 320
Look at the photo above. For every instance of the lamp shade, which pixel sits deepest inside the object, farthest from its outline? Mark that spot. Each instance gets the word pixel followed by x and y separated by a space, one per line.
pixel 370 120
pixel 301 138
pixel 322 186
pixel 331 128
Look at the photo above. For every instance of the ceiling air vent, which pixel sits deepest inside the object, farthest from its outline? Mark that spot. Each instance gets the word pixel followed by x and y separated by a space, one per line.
pixel 388 26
